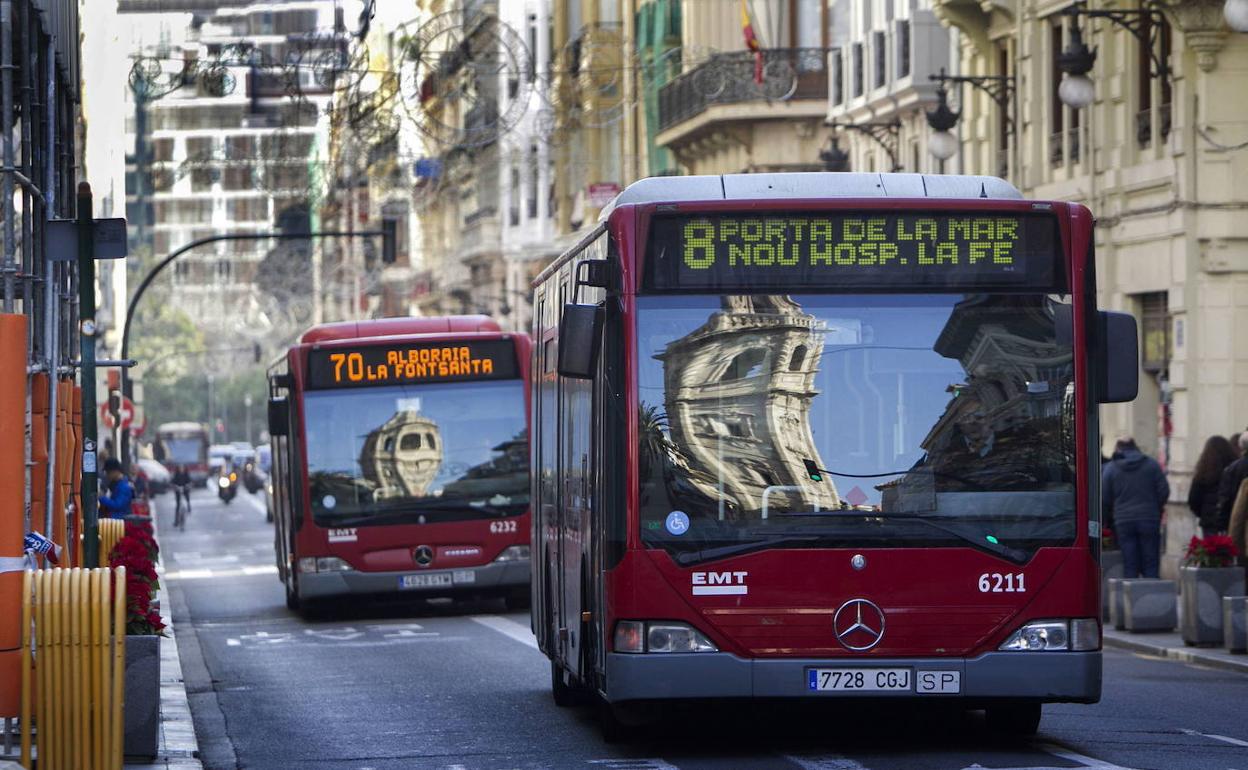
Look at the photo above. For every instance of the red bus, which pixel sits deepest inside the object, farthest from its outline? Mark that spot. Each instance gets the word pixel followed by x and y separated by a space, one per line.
pixel 823 436
pixel 184 443
pixel 400 460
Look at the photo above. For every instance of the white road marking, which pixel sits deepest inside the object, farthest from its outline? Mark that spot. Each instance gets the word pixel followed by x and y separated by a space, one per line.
pixel 233 643
pixel 1223 738
pixel 824 762
pixel 507 627
pixel 634 764
pixel 200 574
pixel 1074 756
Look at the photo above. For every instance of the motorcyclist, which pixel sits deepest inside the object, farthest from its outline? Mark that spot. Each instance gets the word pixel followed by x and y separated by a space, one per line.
pixel 115 503
pixel 182 494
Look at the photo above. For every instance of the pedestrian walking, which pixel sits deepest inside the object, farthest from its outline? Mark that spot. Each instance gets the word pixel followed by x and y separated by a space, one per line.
pixel 1202 497
pixel 1233 478
pixel 182 496
pixel 116 502
pixel 1134 492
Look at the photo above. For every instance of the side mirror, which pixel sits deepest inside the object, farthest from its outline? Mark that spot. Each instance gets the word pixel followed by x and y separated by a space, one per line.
pixel 580 328
pixel 279 416
pixel 1119 378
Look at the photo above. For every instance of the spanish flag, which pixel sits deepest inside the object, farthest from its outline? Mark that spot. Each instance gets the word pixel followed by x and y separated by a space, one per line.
pixel 751 41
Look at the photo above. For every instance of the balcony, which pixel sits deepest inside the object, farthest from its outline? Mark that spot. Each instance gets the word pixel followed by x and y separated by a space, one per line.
pixel 786 74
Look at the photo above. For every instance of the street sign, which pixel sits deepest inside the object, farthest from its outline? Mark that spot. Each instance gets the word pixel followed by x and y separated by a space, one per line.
pixel 126 413
pixel 110 239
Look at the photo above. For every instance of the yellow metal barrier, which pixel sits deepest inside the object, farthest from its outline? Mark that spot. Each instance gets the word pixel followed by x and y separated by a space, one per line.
pixel 111 530
pixel 73 668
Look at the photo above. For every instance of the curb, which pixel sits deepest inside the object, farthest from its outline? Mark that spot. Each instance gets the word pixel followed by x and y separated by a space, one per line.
pixel 177 745
pixel 1192 655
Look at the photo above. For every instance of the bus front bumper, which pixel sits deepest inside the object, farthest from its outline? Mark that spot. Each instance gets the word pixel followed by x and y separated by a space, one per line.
pixel 1049 677
pixel 498 576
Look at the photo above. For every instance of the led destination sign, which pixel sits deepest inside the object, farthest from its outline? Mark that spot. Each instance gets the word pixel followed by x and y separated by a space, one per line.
pixel 853 250
pixel 412 364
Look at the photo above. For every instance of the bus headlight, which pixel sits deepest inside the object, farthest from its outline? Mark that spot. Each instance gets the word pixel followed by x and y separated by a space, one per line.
pixel 635 636
pixel 310 564
pixel 1040 635
pixel 514 553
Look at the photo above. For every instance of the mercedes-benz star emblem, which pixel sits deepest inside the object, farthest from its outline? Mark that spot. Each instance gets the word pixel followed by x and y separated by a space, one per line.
pixel 423 555
pixel 858 625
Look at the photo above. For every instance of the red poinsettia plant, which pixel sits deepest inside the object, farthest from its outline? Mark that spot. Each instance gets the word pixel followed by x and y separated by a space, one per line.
pixel 1212 551
pixel 137 552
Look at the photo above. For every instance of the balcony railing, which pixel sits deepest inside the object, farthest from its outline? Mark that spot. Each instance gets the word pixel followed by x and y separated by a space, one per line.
pixel 1144 124
pixel 732 78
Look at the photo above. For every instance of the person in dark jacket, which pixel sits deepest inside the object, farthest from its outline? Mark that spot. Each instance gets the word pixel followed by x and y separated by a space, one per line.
pixel 1134 492
pixel 1232 477
pixel 116 503
pixel 1202 497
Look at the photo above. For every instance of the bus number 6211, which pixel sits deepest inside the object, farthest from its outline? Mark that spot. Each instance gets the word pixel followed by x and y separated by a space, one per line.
pixel 996 583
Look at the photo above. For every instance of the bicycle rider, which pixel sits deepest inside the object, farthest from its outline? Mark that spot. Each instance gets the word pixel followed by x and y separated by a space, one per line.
pixel 181 491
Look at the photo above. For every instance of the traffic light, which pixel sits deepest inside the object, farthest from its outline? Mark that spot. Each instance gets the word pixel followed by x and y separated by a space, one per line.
pixel 813 471
pixel 389 238
pixel 256 351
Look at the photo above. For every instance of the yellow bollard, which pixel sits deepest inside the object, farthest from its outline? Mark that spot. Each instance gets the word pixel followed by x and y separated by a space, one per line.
pixel 25 715
pixel 119 664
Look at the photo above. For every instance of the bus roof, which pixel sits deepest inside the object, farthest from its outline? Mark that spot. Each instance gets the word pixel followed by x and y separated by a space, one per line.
pixel 810 185
pixel 170 427
pixel 391 327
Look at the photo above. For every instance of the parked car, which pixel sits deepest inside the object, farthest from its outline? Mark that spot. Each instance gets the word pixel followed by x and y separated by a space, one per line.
pixel 158 476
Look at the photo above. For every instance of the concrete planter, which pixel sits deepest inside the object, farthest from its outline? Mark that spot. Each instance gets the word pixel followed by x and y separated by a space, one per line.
pixel 1235 623
pixel 1202 589
pixel 1113 603
pixel 142 704
pixel 1148 604
pixel 1111 568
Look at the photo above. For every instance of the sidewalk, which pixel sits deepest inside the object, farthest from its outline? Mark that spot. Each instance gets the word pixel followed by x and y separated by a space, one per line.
pixel 177 746
pixel 1170 645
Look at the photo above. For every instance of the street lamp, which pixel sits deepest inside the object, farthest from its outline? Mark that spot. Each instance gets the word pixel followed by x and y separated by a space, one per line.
pixel 942 144
pixel 834 158
pixel 1076 89
pixel 1236 14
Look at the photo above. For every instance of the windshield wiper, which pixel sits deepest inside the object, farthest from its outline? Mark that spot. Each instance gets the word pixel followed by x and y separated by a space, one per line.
pixel 983 543
pixel 401 511
pixel 736 549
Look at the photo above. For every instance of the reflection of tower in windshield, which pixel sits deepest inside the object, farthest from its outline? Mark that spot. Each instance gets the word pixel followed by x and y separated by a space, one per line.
pixel 506 474
pixel 1002 428
pixel 402 456
pixel 739 390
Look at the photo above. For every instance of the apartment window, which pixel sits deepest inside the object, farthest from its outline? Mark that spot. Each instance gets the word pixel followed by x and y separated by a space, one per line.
pixel 225 270
pixel 880 43
pixel 857 67
pixel 1056 107
pixel 513 197
pixel 202 178
pixel 162 150
pixel 1146 74
pixel 532 63
pixel 838 77
pixel 903 48
pixel 1155 331
pixel 533 181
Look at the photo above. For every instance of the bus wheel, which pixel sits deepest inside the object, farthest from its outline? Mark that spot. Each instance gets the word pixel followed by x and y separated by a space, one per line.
pixel 292 591
pixel 517 599
pixel 565 695
pixel 618 725
pixel 1015 719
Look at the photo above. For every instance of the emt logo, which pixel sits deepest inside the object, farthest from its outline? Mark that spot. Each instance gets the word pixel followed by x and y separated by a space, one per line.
pixel 719 583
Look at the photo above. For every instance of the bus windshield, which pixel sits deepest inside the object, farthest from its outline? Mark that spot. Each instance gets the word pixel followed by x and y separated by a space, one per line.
pixel 904 420
pixel 417 453
pixel 183 450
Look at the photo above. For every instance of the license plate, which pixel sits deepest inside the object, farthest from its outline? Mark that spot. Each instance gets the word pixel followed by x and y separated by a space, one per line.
pixel 858 679
pixel 431 580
